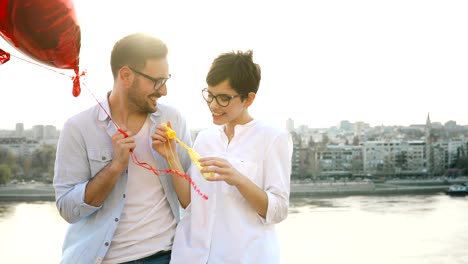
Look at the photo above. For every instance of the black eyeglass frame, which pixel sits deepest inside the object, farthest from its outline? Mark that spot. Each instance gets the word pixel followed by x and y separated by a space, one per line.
pixel 215 97
pixel 161 81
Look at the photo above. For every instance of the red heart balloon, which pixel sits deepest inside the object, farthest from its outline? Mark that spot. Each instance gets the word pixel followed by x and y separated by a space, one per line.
pixel 46 31
pixel 4 56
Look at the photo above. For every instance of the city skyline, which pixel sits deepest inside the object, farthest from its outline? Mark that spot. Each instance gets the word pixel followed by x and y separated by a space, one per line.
pixel 382 63
pixel 285 123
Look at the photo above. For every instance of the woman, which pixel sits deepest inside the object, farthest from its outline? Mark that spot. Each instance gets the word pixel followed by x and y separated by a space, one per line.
pixel 251 164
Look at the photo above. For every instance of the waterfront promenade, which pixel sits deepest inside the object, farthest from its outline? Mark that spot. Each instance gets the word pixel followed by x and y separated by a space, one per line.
pixel 45 192
pixel 367 188
pixel 27 192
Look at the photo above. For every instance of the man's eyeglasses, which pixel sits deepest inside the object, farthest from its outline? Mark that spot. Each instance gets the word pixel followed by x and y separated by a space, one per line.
pixel 158 82
pixel 221 99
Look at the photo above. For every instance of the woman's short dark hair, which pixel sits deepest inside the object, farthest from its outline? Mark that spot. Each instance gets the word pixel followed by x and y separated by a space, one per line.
pixel 239 69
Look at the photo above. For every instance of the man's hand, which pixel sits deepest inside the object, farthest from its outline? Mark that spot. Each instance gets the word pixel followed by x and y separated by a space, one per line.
pixel 123 143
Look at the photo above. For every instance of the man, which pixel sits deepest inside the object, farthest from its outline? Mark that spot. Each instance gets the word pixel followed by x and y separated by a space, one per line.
pixel 119 209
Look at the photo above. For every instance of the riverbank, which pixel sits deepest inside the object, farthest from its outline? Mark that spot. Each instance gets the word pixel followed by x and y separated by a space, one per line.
pixel 391 187
pixel 27 192
pixel 298 190
pixel 45 192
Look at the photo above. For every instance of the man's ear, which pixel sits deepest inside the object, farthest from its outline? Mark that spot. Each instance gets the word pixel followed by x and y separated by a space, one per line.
pixel 250 99
pixel 126 76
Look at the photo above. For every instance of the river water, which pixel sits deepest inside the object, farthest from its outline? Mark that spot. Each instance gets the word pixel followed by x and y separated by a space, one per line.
pixel 406 229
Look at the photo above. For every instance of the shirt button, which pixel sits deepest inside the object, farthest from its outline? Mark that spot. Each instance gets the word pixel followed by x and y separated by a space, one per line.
pixel 103 158
pixel 116 219
pixel 107 244
pixel 124 196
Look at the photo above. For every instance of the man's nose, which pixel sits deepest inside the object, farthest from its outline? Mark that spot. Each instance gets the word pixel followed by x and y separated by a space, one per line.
pixel 162 90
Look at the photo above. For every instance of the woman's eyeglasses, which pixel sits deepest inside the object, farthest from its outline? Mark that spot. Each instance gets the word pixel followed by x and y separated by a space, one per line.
pixel 221 99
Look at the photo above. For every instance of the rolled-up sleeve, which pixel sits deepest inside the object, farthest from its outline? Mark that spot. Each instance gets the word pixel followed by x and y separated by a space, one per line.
pixel 71 175
pixel 277 170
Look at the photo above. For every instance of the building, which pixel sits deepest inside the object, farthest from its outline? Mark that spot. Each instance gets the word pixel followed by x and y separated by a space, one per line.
pixel 19 131
pixel 21 147
pixel 290 125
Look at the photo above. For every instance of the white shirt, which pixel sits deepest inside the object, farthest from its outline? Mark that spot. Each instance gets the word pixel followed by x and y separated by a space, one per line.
pixel 225 228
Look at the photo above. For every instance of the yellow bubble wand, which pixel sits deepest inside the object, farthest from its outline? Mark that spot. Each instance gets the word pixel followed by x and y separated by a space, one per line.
pixel 194 156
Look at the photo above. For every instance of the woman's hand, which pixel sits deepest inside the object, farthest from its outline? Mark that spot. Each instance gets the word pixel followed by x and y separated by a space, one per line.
pixel 222 169
pixel 162 144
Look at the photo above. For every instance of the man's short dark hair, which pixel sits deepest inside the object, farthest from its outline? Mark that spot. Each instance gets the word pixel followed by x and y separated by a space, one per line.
pixel 134 50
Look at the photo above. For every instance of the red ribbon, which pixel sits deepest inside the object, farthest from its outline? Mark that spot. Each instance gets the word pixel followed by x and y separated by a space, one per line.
pixel 5 56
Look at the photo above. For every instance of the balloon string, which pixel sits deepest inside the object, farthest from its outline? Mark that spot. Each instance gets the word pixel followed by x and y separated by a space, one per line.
pixel 144 164
pixel 5 56
pixel 104 109
pixel 135 160
pixel 42 66
pixel 172 154
pixel 185 176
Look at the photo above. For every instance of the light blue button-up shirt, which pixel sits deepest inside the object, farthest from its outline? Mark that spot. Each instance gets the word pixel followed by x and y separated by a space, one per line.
pixel 84 148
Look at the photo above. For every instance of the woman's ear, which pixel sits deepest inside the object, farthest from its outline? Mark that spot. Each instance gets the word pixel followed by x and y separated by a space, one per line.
pixel 250 98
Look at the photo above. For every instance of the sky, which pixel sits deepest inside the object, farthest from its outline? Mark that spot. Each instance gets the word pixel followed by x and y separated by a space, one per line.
pixel 380 62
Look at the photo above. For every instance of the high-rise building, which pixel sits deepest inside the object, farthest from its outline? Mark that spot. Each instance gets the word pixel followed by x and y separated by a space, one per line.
pixel 428 138
pixel 290 125
pixel 38 132
pixel 50 132
pixel 19 131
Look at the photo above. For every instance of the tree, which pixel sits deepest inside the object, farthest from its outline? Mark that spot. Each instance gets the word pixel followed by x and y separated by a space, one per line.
pixel 5 173
pixel 7 157
pixel 7 165
pixel 325 139
pixel 311 142
pixel 356 141
pixel 42 162
pixel 401 160
pixel 462 164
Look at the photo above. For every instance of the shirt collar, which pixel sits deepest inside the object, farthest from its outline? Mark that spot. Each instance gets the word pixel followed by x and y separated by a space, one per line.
pixel 104 110
pixel 240 127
